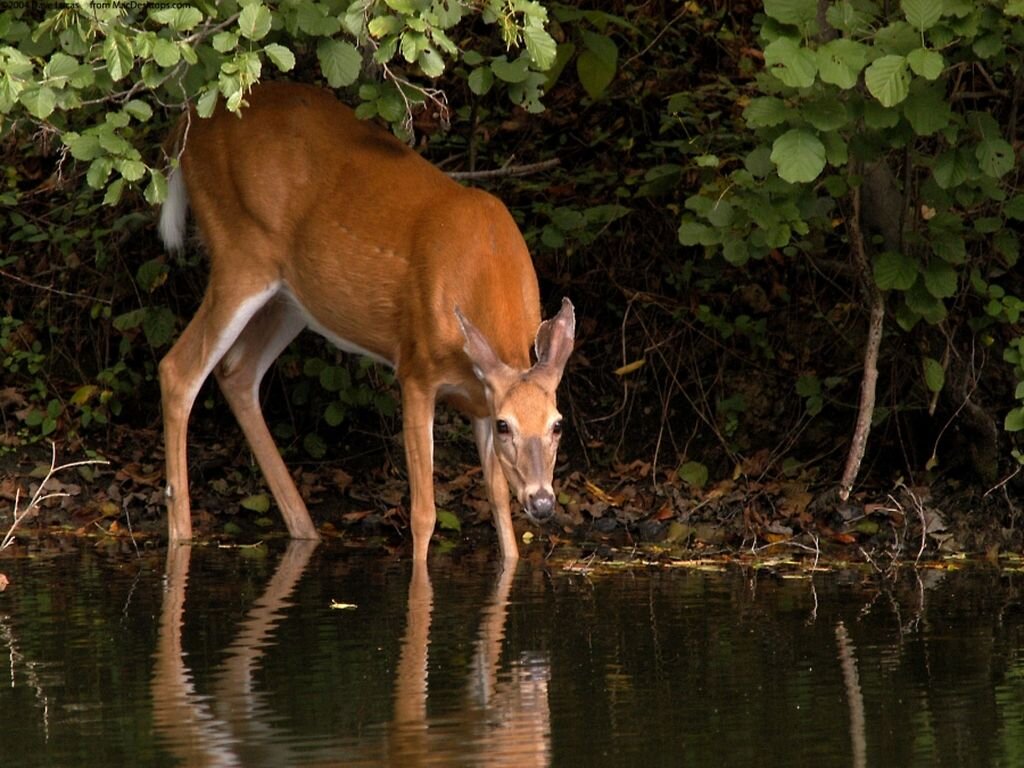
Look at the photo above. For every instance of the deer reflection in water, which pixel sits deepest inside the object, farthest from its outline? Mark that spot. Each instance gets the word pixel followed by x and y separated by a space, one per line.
pixel 505 719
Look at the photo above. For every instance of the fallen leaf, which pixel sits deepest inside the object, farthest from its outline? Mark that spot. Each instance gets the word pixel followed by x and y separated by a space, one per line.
pixel 340 479
pixel 448 521
pixel 630 367
pixel 343 606
pixel 143 475
pixel 844 538
pixel 664 513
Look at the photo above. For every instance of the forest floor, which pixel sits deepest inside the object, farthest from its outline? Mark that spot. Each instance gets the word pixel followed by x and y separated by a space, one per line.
pixel 605 514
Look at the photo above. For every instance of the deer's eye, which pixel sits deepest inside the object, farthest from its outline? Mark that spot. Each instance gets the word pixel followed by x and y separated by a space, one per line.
pixel 502 427
pixel 556 428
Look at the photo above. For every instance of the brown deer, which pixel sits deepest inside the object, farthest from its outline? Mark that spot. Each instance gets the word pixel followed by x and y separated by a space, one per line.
pixel 313 218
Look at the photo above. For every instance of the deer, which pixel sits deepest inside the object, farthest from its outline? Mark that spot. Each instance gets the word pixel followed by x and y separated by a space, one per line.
pixel 313 218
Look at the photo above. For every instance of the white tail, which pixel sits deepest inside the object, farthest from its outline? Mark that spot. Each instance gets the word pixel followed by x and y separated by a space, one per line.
pixel 313 218
pixel 172 213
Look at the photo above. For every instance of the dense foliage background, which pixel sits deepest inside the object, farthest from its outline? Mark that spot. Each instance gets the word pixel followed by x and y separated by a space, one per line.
pixel 756 208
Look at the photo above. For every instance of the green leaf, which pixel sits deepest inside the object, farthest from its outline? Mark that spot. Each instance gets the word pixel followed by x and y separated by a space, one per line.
pixel 799 155
pixel 39 101
pixel 840 62
pixel 258 502
pixel 766 111
pixel 334 413
pixel 693 232
pixel 1014 209
pixel 158 325
pixel 922 14
pixel 934 374
pixel 99 170
pixel 1007 244
pixel 878 117
pixel 406 7
pixel 207 102
pixel 339 61
pixel 84 147
pixel 335 378
pixel 950 248
pixel 156 190
pixel 927 64
pixel 514 71
pixel 736 252
pixel 254 21
pixel 131 170
pixel 826 114
pixel 165 52
pixel 1014 420
pixel 951 168
pixel 225 42
pixel 448 521
pixel 430 62
pixel 693 473
pixel 798 12
pixel 927 110
pixel 846 17
pixel 995 157
pixel 596 64
pixel 793 65
pixel 540 45
pixel 129 320
pixel 989 45
pixel 139 109
pixel 888 79
pixel 940 279
pixel 313 19
pixel 721 214
pixel 282 57
pixel 808 385
pixel 117 50
pixel 179 19
pixel 921 302
pixel 836 151
pixel 10 88
pixel 480 80
pixel 314 445
pixel 113 195
pixel 381 26
pixel 60 67
pixel 413 43
pixel 894 271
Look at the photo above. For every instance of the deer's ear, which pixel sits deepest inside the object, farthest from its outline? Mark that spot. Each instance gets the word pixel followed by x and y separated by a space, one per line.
pixel 554 343
pixel 487 366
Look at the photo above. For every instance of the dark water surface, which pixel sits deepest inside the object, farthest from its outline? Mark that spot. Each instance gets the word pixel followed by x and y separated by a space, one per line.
pixel 236 657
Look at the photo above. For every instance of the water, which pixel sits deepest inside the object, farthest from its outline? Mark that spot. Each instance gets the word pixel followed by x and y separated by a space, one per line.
pixel 237 657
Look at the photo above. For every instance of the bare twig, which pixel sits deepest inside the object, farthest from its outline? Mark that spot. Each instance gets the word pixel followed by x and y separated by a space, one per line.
pixel 39 497
pixel 506 170
pixel 50 288
pixel 874 341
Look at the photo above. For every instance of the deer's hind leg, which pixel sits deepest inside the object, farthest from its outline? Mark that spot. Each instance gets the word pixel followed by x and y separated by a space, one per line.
pixel 222 317
pixel 239 374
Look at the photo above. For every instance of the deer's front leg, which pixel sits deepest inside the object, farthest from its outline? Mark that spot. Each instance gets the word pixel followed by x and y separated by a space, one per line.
pixel 497 488
pixel 418 431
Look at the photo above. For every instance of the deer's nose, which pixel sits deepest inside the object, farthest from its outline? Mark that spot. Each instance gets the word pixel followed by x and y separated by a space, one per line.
pixel 542 504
